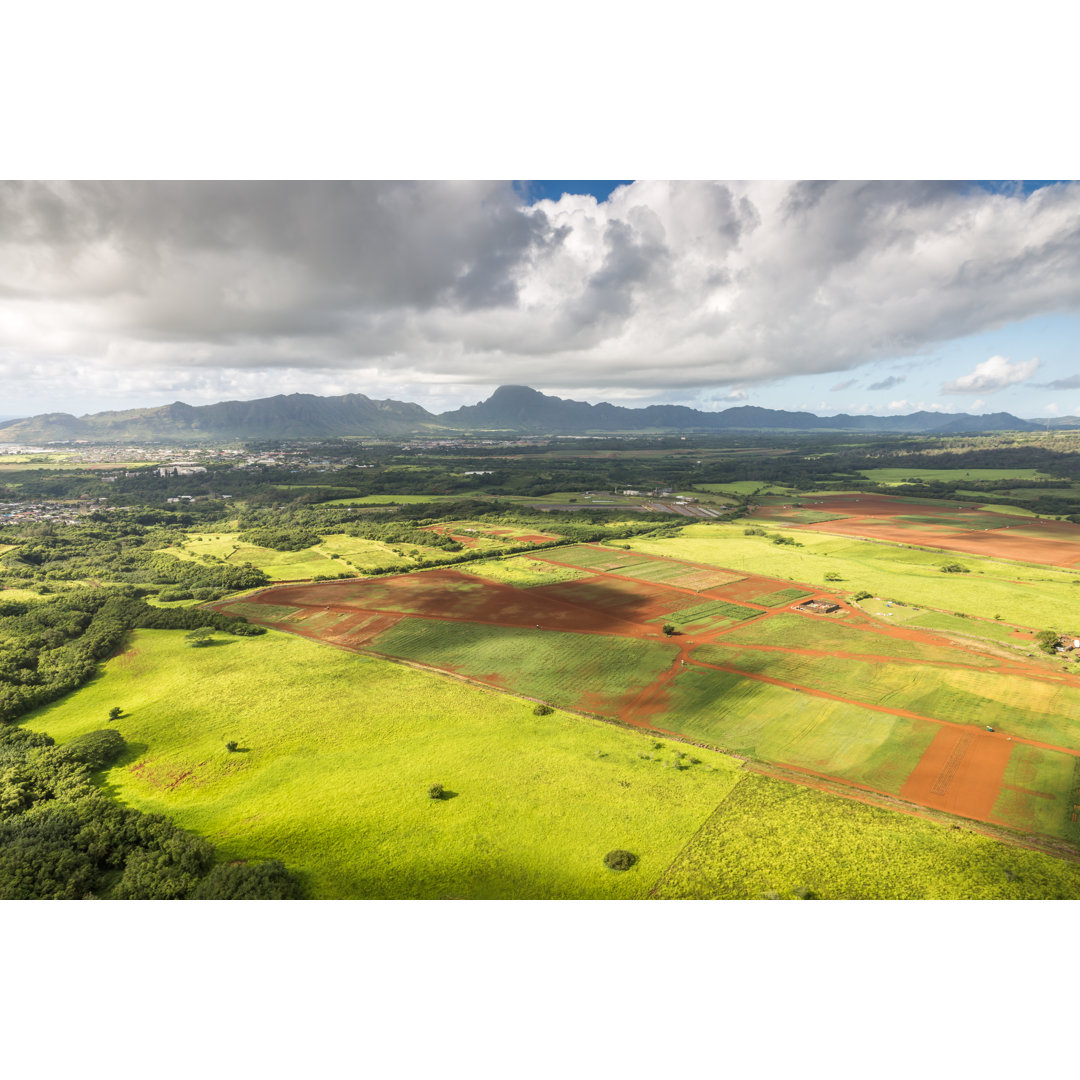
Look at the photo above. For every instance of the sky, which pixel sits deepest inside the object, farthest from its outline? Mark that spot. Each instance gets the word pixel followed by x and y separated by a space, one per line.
pixel 858 297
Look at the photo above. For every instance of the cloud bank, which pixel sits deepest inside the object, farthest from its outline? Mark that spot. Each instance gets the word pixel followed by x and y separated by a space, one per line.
pixel 242 289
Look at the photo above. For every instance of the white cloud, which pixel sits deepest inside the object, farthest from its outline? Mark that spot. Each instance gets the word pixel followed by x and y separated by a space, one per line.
pixel 735 395
pixel 1052 410
pixel 993 374
pixel 188 288
pixel 978 403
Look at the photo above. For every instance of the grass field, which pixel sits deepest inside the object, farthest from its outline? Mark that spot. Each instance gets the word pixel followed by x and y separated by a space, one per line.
pixel 338 754
pixel 919 618
pixel 388 500
pixel 771 838
pixel 1032 708
pixel 776 724
pixel 799 632
pixel 522 571
pixel 353 555
pixel 1047 596
pixel 584 671
pixel 1037 792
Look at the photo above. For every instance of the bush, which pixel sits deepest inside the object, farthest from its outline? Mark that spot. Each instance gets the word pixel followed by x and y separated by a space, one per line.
pixel 248 881
pixel 864 595
pixel 542 710
pixel 95 749
pixel 619 859
pixel 232 746
pixel 832 575
pixel 954 568
pixel 169 595
pixel 668 629
pixel 436 791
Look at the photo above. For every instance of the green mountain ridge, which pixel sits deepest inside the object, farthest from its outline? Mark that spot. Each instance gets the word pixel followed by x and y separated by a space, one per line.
pixel 510 410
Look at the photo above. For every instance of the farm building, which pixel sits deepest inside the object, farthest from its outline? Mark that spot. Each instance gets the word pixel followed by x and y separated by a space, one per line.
pixel 820 607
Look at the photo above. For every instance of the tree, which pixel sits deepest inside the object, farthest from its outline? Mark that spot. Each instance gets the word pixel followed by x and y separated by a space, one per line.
pixel 115 712
pixel 200 636
pixel 232 746
pixel 832 575
pixel 542 710
pixel 668 629
pixel 619 859
pixel 248 881
pixel 435 791
pixel 1047 640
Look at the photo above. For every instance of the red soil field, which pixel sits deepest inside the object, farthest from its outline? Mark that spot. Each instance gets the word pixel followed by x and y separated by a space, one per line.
pixel 992 543
pixel 960 772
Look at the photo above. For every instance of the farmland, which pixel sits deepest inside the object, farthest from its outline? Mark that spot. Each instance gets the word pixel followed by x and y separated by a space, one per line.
pixel 894 710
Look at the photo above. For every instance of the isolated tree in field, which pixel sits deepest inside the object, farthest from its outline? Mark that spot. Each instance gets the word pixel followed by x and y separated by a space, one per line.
pixel 542 710
pixel 619 859
pixel 436 791
pixel 200 636
pixel 668 629
pixel 115 712
pixel 1047 640
pixel 832 575
pixel 232 746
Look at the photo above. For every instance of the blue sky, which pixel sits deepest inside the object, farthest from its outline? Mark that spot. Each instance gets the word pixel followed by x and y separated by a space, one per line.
pixel 873 297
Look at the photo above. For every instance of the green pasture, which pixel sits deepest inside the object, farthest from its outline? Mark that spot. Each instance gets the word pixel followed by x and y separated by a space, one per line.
pixel 1046 597
pixel 336 553
pixel 774 723
pixel 596 558
pixel 20 594
pixel 74 466
pixel 771 838
pixel 521 571
pixel 1032 708
pixel 1004 508
pixel 799 632
pixel 948 476
pixel 802 517
pixel 899 615
pixel 593 672
pixel 337 754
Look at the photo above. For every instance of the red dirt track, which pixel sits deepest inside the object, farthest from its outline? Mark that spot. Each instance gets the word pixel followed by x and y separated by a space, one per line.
pixel 960 772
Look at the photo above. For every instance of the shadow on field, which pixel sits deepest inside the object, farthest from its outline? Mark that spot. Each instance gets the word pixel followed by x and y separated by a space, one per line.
pixel 446 795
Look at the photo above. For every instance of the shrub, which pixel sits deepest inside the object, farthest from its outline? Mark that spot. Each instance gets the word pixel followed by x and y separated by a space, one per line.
pixel 619 859
pixel 832 575
pixel 232 746
pixel 864 595
pixel 95 749
pixel 542 710
pixel 248 881
pixel 435 791
pixel 668 629
pixel 954 568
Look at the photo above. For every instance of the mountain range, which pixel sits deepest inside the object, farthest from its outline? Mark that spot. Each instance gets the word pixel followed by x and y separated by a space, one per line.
pixel 511 410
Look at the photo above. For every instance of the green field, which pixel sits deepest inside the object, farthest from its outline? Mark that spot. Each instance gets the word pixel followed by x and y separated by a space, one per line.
pixel 522 571
pixel 1047 596
pixel 388 500
pixel 336 553
pixel 771 838
pixel 338 752
pixel 705 618
pixel 776 724
pixel 1037 792
pixel 780 597
pixel 798 632
pixel 1032 708
pixel 900 476
pixel 593 672
pixel 919 618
